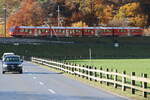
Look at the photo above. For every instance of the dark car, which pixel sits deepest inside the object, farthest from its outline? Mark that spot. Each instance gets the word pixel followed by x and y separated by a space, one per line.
pixel 12 63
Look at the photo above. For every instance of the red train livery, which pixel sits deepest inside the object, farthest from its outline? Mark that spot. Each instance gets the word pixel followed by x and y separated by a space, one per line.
pixel 30 31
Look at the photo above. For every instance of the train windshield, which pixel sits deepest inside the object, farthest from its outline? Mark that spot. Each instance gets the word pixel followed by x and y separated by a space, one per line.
pixel 12 29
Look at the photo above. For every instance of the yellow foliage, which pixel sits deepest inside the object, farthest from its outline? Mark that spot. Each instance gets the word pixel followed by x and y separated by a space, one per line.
pixel 79 24
pixel 132 14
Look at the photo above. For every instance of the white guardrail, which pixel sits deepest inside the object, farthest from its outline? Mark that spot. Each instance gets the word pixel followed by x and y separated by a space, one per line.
pixel 109 77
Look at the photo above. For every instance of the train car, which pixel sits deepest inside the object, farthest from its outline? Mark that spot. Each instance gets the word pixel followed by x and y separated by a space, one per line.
pixel 128 31
pixel 30 31
pixel 135 31
pixel 88 31
pixel 67 31
pixel 103 31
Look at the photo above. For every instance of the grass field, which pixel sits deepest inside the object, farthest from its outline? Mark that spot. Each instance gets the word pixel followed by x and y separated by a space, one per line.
pixel 129 65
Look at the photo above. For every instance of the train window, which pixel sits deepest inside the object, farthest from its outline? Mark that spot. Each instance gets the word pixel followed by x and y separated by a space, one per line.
pixel 100 31
pixel 21 30
pixel 46 30
pixel 60 31
pixel 91 31
pixel 106 30
pixel 43 30
pixel 122 30
pixel 39 31
pixel 63 31
pixel 134 30
pixel 30 31
pixel 26 30
pixel 70 31
pixel 109 30
pixel 78 31
pixel 55 30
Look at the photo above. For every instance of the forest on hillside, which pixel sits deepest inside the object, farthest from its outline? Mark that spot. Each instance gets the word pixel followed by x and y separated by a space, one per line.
pixel 76 12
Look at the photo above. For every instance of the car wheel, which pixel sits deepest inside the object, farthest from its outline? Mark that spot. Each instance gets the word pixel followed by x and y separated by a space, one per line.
pixel 20 71
pixel 3 72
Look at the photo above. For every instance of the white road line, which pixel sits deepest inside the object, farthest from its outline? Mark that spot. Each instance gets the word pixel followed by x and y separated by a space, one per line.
pixel 52 91
pixel 41 83
pixel 34 77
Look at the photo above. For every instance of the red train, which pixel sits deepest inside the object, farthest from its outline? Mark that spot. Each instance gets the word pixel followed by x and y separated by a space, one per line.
pixel 30 31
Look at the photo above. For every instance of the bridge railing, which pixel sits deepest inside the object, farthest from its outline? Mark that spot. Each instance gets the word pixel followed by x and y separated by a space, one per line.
pixel 110 77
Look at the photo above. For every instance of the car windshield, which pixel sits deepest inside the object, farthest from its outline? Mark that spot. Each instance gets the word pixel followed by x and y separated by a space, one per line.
pixel 12 59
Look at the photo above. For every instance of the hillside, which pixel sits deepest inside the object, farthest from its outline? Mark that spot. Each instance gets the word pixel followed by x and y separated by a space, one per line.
pixel 77 12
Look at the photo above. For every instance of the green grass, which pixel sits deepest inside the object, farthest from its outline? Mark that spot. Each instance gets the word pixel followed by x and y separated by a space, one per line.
pixel 129 65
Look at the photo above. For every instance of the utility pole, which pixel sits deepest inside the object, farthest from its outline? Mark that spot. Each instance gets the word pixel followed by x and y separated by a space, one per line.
pixel 5 10
pixel 58 19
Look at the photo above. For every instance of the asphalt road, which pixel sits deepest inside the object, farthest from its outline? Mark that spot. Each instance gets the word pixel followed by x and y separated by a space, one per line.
pixel 37 83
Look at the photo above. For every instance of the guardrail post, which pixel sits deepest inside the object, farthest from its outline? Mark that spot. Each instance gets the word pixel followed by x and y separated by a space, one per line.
pixel 115 78
pixel 73 68
pixel 107 77
pixel 101 75
pixel 133 83
pixel 123 81
pixel 87 72
pixel 79 71
pixel 69 68
pixel 83 71
pixel 95 74
pixel 65 67
pixel 144 86
pixel 62 66
pixel 90 74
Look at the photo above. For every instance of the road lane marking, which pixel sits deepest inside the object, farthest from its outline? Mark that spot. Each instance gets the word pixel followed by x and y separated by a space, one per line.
pixel 52 91
pixel 34 77
pixel 41 83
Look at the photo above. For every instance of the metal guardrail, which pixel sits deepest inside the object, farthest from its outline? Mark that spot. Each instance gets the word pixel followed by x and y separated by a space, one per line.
pixel 113 77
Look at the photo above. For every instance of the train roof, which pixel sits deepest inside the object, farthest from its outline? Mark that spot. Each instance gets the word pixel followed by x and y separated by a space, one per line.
pixel 32 27
pixel 41 27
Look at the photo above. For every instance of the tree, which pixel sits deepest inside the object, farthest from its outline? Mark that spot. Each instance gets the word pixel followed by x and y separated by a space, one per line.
pixel 145 5
pixel 79 24
pixel 133 13
pixel 106 14
pixel 29 14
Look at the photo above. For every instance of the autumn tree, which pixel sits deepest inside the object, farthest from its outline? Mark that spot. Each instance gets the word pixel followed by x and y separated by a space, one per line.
pixel 106 14
pixel 132 13
pixel 29 14
pixel 79 24
pixel 91 10
pixel 145 5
